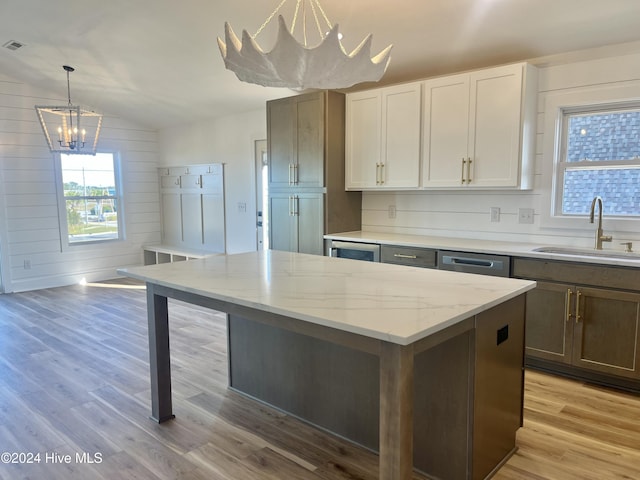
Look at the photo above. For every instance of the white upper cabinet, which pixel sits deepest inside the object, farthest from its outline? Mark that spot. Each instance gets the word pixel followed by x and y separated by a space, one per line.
pixel 383 138
pixel 479 129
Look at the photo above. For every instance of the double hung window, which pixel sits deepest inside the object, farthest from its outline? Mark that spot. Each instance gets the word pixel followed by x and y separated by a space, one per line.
pixel 90 198
pixel 599 155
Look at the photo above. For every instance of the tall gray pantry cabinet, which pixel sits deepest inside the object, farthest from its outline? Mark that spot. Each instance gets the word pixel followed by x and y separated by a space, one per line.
pixel 305 148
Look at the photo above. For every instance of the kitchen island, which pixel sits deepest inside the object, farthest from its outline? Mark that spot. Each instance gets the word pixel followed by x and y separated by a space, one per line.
pixel 424 366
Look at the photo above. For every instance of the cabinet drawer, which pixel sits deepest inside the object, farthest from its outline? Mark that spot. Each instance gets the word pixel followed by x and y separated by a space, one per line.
pixel 415 257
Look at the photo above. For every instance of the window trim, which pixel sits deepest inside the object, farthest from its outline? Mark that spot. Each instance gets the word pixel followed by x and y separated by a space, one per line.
pixel 556 104
pixel 65 244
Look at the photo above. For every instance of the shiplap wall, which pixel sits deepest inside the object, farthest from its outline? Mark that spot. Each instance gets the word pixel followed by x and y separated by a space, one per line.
pixel 29 223
pixel 466 213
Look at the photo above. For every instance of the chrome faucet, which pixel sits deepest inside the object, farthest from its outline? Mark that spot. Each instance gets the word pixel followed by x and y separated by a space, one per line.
pixel 600 237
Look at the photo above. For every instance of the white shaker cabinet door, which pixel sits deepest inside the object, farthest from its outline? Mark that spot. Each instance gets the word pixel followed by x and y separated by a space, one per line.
pixel 401 112
pixel 363 131
pixel 446 131
pixel 495 119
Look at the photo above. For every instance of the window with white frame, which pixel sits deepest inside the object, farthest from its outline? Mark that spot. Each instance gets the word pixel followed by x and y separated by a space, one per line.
pixel 90 197
pixel 599 155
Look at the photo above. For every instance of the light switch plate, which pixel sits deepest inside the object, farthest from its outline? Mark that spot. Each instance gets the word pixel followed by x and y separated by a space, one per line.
pixel 525 215
pixel 495 214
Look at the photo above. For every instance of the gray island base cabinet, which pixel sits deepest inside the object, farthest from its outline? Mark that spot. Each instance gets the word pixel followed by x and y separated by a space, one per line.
pixel 433 387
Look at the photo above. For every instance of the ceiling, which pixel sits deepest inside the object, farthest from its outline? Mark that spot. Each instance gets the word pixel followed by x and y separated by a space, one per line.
pixel 157 61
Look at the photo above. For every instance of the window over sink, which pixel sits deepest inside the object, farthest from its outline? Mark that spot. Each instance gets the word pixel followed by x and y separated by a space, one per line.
pixel 600 155
pixel 591 146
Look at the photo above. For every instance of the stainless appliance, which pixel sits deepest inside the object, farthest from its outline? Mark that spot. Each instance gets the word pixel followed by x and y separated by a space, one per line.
pixel 482 263
pixel 369 252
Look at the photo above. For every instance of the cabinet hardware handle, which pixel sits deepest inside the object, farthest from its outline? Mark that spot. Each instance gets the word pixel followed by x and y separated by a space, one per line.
pixel 177 182
pixel 567 306
pixel 199 180
pixel 186 170
pixel 578 316
pixel 462 172
pixel 401 255
pixel 377 174
pixel 295 173
pixel 290 177
pixel 295 205
pixel 382 174
pixel 469 170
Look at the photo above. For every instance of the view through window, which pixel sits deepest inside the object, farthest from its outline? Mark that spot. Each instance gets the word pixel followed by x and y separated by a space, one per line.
pixel 90 197
pixel 601 156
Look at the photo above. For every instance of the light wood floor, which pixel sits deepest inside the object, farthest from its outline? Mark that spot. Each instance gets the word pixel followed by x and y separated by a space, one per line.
pixel 74 380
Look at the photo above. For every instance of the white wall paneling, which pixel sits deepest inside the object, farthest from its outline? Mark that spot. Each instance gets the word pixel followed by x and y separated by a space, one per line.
pixel 29 223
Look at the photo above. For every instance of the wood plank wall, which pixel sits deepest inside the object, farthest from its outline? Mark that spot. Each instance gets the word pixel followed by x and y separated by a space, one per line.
pixel 466 213
pixel 29 224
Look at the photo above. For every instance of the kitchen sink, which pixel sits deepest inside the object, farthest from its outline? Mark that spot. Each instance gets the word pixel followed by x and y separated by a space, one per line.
pixel 588 252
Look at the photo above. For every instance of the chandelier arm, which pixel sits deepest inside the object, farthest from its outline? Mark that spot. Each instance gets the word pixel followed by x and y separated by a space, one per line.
pixel 266 22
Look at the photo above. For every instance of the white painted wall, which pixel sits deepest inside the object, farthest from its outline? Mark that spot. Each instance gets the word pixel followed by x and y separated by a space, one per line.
pixel 466 214
pixel 29 224
pixel 229 140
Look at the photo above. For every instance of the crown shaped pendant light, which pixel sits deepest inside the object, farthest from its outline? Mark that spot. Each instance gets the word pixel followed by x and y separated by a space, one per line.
pixel 70 128
pixel 294 65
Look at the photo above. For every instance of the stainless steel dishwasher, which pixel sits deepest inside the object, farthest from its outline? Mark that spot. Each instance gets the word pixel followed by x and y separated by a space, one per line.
pixel 482 263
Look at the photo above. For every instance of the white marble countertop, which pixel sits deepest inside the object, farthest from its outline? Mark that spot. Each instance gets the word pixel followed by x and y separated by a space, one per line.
pixel 387 302
pixel 515 249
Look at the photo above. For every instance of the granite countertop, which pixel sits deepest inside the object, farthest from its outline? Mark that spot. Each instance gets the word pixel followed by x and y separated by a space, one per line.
pixel 387 302
pixel 514 249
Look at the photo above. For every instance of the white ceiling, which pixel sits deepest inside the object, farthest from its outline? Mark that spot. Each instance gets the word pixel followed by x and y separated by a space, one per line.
pixel 157 61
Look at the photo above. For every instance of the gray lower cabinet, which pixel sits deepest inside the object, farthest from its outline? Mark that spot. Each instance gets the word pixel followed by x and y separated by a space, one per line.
pixel 596 329
pixel 296 222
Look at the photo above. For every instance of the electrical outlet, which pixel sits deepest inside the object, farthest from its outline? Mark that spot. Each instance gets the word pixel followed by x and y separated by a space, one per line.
pixel 392 211
pixel 525 215
pixel 242 207
pixel 27 264
pixel 495 214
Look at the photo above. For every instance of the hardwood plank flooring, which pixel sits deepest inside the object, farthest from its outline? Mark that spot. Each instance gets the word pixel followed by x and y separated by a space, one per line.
pixel 74 380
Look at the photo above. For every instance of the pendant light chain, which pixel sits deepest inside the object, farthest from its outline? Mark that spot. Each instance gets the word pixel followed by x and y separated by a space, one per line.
pixel 68 88
pixel 266 22
pixel 315 7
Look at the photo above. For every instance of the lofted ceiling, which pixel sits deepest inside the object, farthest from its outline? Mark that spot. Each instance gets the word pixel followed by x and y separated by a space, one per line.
pixel 157 61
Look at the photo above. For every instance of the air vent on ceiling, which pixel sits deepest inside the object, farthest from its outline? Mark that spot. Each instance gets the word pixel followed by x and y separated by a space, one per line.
pixel 13 45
